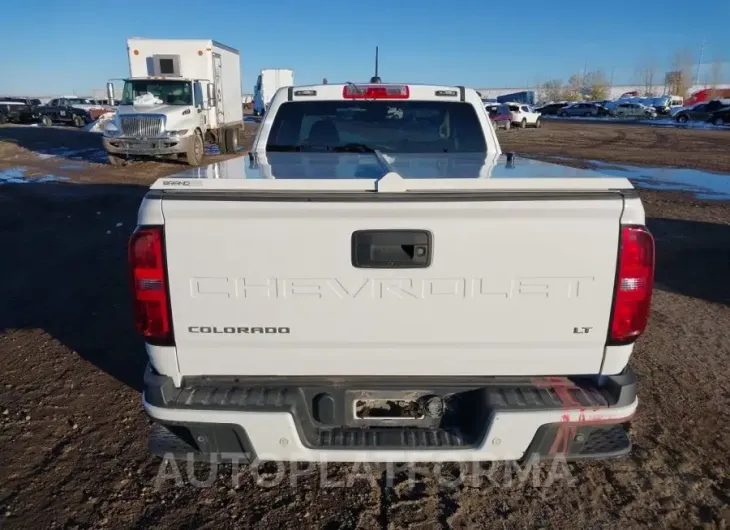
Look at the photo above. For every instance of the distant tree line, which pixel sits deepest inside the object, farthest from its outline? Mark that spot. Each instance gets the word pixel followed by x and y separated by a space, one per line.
pixel 595 86
pixel 588 85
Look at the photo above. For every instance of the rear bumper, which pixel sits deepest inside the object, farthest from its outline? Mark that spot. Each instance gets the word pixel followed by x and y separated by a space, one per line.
pixel 146 147
pixel 486 419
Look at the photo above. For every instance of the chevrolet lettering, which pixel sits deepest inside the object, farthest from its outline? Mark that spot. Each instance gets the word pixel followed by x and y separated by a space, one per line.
pixel 401 288
pixel 416 296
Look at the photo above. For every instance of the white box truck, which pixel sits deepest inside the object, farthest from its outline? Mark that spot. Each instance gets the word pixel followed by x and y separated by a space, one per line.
pixel 269 81
pixel 180 94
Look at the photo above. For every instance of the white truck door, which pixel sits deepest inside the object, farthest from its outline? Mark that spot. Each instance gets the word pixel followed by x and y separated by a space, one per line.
pixel 218 84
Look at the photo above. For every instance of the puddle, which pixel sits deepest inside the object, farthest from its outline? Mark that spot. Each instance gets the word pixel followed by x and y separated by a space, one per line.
pixel 94 154
pixel 17 175
pixel 703 184
pixel 212 149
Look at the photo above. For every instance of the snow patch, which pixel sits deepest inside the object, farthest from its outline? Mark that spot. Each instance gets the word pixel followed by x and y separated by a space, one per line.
pixel 97 126
pixel 147 100
pixel 658 122
pixel 17 175
pixel 703 184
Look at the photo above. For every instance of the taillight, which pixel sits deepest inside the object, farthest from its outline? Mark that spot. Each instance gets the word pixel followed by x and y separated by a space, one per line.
pixel 149 285
pixel 634 284
pixel 375 92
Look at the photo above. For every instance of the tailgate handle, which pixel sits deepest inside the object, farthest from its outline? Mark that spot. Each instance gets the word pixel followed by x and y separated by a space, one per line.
pixel 391 249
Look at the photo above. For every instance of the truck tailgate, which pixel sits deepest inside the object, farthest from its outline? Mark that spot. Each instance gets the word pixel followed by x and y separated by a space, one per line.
pixel 510 286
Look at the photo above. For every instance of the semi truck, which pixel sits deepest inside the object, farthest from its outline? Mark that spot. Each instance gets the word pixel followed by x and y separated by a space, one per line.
pixel 180 94
pixel 268 82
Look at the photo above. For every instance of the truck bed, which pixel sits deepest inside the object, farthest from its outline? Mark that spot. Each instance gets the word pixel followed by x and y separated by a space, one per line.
pixel 468 169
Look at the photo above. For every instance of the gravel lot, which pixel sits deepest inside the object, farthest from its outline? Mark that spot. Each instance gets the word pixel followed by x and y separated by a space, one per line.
pixel 73 433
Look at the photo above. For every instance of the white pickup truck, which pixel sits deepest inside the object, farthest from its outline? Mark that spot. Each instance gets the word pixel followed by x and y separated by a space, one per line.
pixel 377 282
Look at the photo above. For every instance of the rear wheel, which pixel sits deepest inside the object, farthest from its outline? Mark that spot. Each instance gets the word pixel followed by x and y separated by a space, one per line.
pixel 682 118
pixel 719 121
pixel 231 139
pixel 3 118
pixel 79 121
pixel 222 143
pixel 523 123
pixel 538 124
pixel 507 125
pixel 194 155
pixel 46 121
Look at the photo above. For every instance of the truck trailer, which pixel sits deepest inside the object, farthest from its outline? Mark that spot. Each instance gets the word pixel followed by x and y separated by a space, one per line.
pixel 269 81
pixel 527 97
pixel 180 94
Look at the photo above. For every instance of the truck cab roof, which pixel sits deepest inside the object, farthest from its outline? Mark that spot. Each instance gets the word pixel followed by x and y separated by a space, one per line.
pixel 157 78
pixel 415 90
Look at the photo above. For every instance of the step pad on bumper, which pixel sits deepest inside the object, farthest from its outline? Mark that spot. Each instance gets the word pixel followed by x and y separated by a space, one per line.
pixel 578 442
pixel 200 395
pixel 393 437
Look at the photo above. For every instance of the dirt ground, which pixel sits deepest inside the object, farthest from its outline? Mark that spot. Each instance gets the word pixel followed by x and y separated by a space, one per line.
pixel 73 433
pixel 627 144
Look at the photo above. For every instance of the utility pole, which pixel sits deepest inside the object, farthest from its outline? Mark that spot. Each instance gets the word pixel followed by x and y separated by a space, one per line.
pixel 699 62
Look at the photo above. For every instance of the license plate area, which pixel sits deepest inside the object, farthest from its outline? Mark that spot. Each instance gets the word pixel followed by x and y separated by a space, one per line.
pixel 387 409
pixel 392 408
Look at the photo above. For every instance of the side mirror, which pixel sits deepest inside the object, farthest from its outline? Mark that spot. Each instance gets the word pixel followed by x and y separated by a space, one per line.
pixel 211 96
pixel 110 93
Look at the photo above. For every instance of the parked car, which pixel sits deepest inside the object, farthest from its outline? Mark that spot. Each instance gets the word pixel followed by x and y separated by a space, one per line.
pixel 524 115
pixel 551 109
pixel 19 110
pixel 700 111
pixel 583 109
pixel 64 110
pixel 665 104
pixel 634 110
pixel 720 117
pixel 500 115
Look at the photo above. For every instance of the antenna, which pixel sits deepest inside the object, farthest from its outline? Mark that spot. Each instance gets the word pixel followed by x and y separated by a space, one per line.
pixel 375 78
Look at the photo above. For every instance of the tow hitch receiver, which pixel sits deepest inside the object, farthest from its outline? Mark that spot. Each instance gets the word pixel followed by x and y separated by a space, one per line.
pixel 395 408
pixel 366 409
